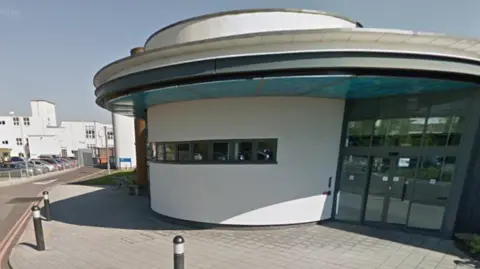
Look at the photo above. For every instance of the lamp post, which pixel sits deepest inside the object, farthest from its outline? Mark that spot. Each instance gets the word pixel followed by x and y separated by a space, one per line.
pixel 12 113
pixel 106 148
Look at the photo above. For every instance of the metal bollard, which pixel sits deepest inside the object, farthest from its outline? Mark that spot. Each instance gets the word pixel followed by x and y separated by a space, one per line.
pixel 46 203
pixel 37 225
pixel 178 252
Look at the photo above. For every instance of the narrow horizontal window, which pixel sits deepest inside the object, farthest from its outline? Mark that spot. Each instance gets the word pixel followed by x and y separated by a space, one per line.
pixel 231 151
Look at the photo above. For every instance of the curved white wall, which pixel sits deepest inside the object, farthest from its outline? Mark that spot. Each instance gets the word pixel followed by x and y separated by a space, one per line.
pixel 308 132
pixel 124 138
pixel 243 23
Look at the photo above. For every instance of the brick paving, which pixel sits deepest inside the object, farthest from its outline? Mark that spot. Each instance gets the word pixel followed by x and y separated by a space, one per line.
pixel 103 228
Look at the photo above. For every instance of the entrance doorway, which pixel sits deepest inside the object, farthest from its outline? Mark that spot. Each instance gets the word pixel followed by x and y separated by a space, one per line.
pixel 390 189
pixel 405 190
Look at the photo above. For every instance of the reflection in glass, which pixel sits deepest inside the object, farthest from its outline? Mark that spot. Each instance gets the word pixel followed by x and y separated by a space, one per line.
pixel 377 189
pixel 183 152
pixel 243 151
pixel 359 133
pixel 401 190
pixel 444 131
pixel 160 151
pixel 170 152
pixel 406 132
pixel 265 150
pixel 200 151
pixel 352 185
pixel 220 151
pixel 432 188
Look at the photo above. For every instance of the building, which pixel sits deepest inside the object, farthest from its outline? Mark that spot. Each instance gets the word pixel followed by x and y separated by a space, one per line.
pixel 258 121
pixel 39 134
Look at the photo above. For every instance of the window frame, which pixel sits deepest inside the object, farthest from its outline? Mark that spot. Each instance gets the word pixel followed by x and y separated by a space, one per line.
pixel 210 143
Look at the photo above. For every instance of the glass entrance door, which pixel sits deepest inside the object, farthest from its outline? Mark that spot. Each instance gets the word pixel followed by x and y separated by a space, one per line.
pixel 389 189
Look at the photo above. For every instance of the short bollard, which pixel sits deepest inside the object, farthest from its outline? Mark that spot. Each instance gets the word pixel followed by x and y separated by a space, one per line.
pixel 37 225
pixel 178 252
pixel 46 205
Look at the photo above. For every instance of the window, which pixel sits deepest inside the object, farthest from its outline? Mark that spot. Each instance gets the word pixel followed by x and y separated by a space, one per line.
pixel 90 146
pixel 183 151
pixel 2 122
pixel 90 131
pixel 5 142
pixel 110 135
pixel 26 121
pixel 218 151
pixel 19 141
pixel 16 121
pixel 200 151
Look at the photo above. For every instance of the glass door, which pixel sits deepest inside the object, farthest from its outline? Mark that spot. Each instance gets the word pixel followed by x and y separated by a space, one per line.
pixel 390 189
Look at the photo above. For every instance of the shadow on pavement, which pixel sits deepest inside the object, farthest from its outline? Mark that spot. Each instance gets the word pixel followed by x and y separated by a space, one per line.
pixel 110 208
pixel 407 238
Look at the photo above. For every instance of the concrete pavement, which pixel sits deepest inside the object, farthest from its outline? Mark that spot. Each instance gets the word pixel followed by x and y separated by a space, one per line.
pixel 15 200
pixel 96 227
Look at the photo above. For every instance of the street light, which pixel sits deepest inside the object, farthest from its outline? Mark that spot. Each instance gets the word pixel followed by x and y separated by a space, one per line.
pixel 12 113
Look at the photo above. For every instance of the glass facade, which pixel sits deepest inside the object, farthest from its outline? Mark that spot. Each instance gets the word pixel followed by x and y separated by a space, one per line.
pixel 399 158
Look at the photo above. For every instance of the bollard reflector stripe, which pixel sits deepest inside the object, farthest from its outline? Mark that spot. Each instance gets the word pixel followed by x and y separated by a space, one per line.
pixel 178 248
pixel 36 214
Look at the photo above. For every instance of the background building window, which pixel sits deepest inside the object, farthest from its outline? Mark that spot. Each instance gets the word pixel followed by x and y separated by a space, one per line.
pixel 2 122
pixel 90 131
pixel 19 141
pixel 109 135
pixel 160 151
pixel 16 121
pixel 5 142
pixel 26 121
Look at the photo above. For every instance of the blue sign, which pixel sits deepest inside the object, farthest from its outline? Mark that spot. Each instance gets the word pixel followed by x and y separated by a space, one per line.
pixel 125 160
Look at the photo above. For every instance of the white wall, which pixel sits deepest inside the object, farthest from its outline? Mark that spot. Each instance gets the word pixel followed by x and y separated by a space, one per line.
pixel 44 145
pixel 72 135
pixel 308 132
pixel 124 131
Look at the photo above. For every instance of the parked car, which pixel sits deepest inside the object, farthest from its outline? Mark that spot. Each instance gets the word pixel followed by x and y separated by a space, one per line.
pixel 57 165
pixel 49 166
pixel 66 164
pixel 16 169
pixel 37 170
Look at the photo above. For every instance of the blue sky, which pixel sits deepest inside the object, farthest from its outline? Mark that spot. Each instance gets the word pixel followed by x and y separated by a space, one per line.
pixel 50 49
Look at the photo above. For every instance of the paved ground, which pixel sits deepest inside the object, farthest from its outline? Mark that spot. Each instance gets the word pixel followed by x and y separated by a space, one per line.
pixel 15 199
pixel 103 228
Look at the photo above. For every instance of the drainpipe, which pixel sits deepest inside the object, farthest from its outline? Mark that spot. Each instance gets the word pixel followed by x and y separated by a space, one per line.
pixel 140 138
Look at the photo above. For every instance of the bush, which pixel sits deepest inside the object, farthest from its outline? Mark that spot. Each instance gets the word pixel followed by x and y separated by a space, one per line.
pixel 474 244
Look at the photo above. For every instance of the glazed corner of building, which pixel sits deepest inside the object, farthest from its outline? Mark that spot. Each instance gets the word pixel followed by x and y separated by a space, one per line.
pixel 317 120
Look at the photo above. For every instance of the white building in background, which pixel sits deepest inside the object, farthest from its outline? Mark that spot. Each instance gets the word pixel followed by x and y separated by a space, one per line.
pixel 40 134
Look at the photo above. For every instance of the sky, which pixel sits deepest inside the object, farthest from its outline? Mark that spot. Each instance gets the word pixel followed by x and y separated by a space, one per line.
pixel 51 49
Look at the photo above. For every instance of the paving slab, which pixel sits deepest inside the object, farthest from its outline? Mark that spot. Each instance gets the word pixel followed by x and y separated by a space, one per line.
pixel 95 227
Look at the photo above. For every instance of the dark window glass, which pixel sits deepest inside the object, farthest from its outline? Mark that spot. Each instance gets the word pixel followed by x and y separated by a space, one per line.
pixel 183 152
pixel 359 133
pixel 266 150
pixel 200 151
pixel 444 131
pixel 170 152
pixel 220 151
pixel 431 194
pixel 243 151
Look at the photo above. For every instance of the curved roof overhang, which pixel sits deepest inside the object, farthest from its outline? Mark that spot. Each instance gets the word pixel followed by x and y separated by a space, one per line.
pixel 313 74
pixel 314 59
